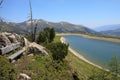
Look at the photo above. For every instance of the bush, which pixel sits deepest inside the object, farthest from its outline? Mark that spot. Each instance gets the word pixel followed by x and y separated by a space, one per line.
pixel 114 65
pixel 52 34
pixel 47 36
pixel 59 50
pixel 41 38
pixel 7 71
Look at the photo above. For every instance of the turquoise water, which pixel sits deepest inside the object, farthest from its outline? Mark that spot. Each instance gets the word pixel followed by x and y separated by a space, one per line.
pixel 97 51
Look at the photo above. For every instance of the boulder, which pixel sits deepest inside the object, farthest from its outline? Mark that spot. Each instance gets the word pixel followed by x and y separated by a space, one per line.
pixel 7 34
pixel 4 41
pixel 1 46
pixel 12 38
pixel 18 37
pixel 8 38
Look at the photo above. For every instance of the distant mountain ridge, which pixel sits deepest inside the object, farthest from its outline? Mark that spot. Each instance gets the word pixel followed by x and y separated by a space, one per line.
pixel 115 32
pixel 110 30
pixel 107 27
pixel 24 27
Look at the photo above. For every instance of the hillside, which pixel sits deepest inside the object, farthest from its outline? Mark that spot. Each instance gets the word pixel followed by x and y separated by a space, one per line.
pixel 115 32
pixel 11 27
pixel 107 27
pixel 24 27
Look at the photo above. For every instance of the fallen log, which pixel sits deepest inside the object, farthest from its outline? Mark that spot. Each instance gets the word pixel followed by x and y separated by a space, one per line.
pixel 9 48
pixel 15 55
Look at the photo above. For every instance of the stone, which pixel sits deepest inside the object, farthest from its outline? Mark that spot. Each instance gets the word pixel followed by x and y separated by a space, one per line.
pixel 7 34
pixel 12 38
pixel 18 37
pixel 1 46
pixel 4 41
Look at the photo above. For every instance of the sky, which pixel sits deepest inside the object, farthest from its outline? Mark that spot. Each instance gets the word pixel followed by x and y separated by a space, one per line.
pixel 90 13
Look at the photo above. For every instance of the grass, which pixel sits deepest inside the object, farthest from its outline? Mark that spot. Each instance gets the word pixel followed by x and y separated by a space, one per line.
pixel 57 39
pixel 79 65
pixel 40 67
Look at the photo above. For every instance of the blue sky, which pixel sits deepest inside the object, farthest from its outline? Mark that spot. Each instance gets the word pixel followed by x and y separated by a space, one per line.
pixel 91 13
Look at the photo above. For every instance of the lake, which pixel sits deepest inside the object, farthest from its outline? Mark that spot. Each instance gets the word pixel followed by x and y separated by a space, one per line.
pixel 96 51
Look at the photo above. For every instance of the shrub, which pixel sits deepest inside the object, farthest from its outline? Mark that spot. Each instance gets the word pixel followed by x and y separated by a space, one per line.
pixel 7 71
pixel 47 36
pixel 59 50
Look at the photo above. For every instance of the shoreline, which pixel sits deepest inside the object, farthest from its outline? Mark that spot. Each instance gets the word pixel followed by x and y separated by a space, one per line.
pixel 90 37
pixel 63 40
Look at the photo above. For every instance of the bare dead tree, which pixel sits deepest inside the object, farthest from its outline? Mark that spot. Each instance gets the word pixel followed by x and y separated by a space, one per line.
pixel 35 29
pixel 1 1
pixel 31 19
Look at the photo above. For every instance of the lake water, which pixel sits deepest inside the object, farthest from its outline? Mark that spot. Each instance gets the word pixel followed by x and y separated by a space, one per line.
pixel 96 51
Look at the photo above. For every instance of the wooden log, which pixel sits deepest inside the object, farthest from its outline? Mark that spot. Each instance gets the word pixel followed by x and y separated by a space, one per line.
pixel 9 48
pixel 15 55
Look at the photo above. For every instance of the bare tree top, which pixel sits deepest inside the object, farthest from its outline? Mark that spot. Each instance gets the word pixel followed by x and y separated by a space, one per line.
pixel 1 1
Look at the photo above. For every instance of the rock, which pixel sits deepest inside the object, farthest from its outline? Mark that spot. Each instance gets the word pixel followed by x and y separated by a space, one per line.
pixel 30 55
pixel 13 61
pixel 1 46
pixel 18 37
pixel 22 41
pixel 4 41
pixel 25 76
pixel 8 38
pixel 12 38
pixel 7 34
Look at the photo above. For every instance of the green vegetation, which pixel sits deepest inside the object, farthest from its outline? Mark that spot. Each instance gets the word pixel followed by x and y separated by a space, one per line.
pixel 115 66
pixel 7 70
pixel 46 36
pixel 44 68
pixel 50 67
pixel 57 39
pixel 59 50
pixel 52 34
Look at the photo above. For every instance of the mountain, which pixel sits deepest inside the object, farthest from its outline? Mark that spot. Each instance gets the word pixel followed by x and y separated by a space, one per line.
pixel 41 24
pixel 115 32
pixel 111 30
pixel 11 27
pixel 107 27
